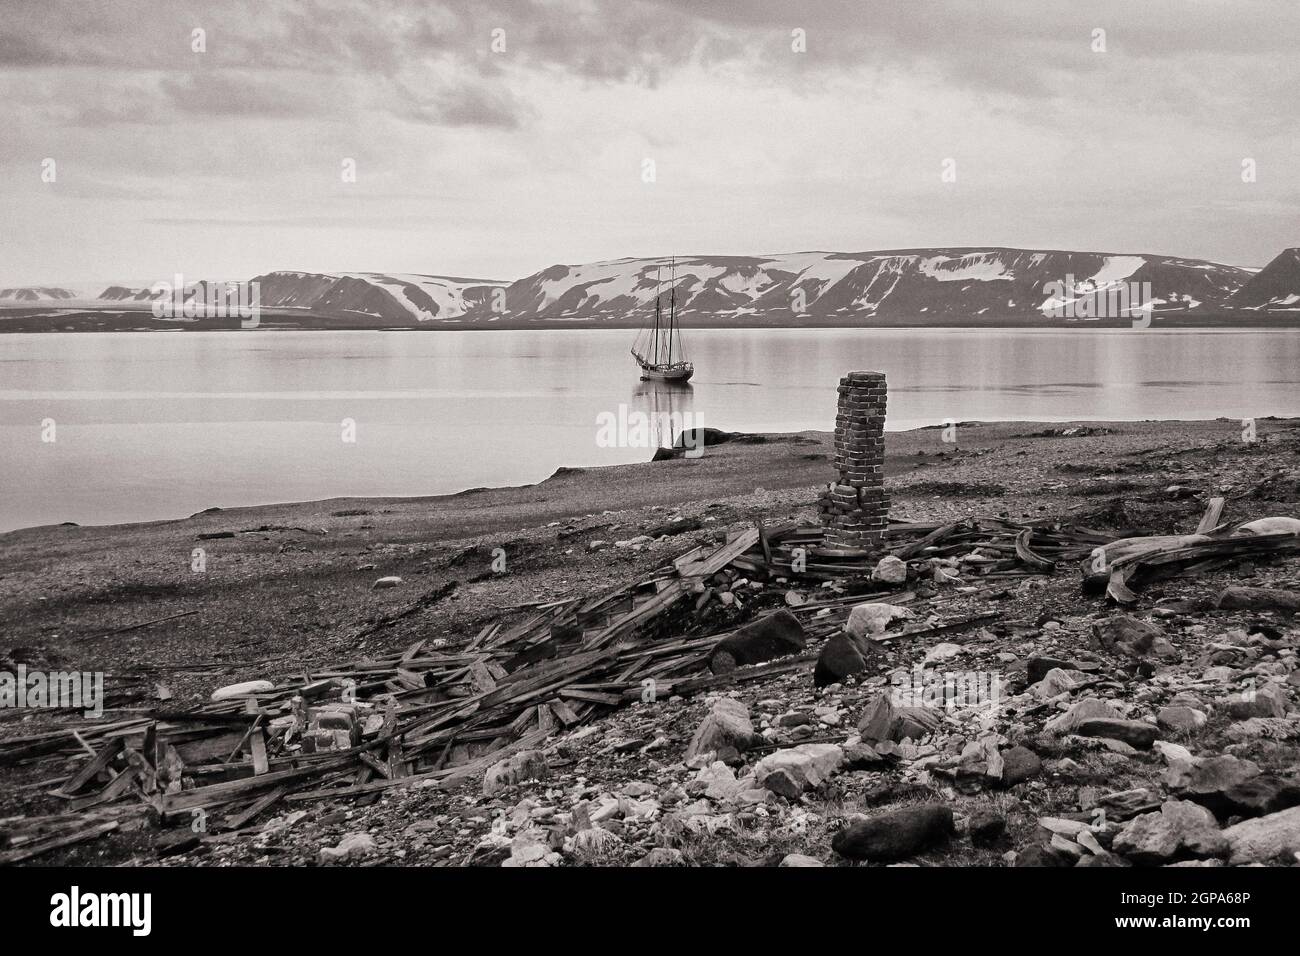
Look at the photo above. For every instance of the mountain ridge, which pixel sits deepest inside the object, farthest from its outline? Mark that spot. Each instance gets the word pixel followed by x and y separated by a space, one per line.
pixel 919 285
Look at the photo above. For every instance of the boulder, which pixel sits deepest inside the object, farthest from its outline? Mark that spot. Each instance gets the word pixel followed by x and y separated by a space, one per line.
pixel 1126 804
pixel 792 771
pixel 519 768
pixel 881 721
pixel 1125 634
pixel 841 657
pixel 1057 681
pixel 1018 765
pixel 890 570
pixel 1087 709
pixel 1181 829
pixel 873 618
pixel 1038 667
pixel 726 731
pixel 391 581
pixel 1275 837
pixel 896 835
pixel 1209 780
pixel 1135 733
pixel 776 635
pixel 1039 855
pixel 1271 700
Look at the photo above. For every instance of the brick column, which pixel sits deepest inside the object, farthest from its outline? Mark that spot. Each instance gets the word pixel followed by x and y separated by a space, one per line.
pixel 855 508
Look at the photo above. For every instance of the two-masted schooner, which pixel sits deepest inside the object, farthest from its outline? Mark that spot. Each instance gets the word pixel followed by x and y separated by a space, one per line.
pixel 658 350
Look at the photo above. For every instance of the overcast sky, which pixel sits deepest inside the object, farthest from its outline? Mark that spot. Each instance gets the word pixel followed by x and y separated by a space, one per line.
pixel 494 163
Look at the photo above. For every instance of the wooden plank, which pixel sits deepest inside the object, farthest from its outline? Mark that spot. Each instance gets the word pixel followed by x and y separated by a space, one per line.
pixel 93 768
pixel 1213 516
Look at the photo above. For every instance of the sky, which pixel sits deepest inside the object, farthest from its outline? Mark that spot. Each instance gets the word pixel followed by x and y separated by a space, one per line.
pixel 493 138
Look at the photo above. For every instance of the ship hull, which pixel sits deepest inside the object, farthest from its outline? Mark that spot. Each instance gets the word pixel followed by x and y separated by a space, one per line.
pixel 676 373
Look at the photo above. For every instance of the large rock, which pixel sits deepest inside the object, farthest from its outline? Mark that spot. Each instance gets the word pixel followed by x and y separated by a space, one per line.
pixel 896 835
pixel 519 768
pixel 776 635
pixel 1208 781
pixel 881 721
pixel 1273 838
pixel 1135 733
pixel 1089 708
pixel 1271 700
pixel 841 657
pixel 726 731
pixel 1126 634
pixel 1018 765
pixel 872 618
pixel 792 771
pixel 890 570
pixel 1181 829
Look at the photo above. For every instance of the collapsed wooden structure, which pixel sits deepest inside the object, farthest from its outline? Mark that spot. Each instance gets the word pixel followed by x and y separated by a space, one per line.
pixel 438 716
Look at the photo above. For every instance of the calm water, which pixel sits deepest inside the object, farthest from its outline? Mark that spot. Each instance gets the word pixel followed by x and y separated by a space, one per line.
pixel 160 425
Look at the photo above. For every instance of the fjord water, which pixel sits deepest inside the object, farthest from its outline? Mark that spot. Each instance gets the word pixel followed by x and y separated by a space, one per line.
pixel 161 425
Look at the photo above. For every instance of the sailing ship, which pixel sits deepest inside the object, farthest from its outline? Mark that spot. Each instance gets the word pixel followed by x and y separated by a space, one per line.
pixel 654 346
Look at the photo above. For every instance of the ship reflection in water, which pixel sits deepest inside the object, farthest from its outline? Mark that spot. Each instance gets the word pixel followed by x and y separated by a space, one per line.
pixel 669 408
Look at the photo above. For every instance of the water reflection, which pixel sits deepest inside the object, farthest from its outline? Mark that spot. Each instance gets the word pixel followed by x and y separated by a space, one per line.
pixel 669 406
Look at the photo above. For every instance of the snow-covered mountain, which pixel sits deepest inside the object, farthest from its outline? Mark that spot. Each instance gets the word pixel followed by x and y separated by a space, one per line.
pixel 1276 287
pixel 934 286
pixel 940 283
pixel 399 298
pixel 33 294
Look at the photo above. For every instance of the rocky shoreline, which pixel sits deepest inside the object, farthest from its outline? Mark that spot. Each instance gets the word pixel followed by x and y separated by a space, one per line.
pixel 1161 733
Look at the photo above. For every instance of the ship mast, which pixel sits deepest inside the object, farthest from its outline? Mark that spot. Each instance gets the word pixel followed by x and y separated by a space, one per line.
pixel 657 302
pixel 672 308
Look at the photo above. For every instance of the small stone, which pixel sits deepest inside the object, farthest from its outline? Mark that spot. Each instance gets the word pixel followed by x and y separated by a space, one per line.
pixel 1180 720
pixel 352 846
pixel 662 856
pixel 519 768
pixel 391 581
pixel 986 827
pixel 1018 765
pixel 798 859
